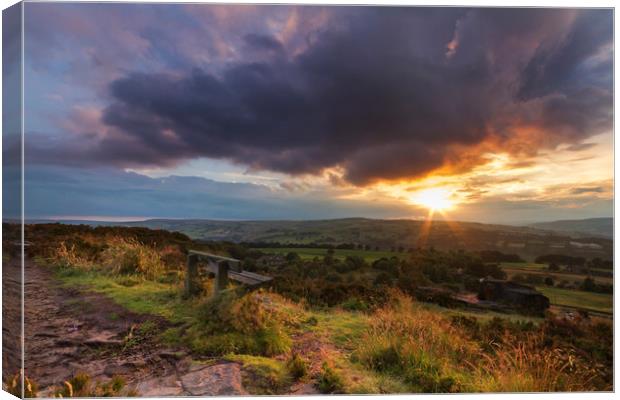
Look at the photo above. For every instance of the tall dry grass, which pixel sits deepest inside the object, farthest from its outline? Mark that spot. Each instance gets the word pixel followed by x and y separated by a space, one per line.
pixel 118 256
pixel 67 256
pixel 527 365
pixel 423 348
pixel 418 345
pixel 128 256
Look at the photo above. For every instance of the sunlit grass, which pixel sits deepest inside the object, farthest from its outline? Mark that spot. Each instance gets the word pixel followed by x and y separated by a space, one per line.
pixel 601 302
pixel 142 297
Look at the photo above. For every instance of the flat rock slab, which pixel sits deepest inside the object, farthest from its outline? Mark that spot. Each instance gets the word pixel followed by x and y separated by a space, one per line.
pixel 116 369
pixel 215 380
pixel 160 387
pixel 104 338
pixel 302 389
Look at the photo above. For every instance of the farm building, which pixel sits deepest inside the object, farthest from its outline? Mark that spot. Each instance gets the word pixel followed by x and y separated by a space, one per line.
pixel 513 294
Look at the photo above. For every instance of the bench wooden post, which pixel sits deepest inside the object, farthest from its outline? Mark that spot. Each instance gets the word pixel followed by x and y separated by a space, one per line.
pixel 224 269
pixel 221 278
pixel 191 276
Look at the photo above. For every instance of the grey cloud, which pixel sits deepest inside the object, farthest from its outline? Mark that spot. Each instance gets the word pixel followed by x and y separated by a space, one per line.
pixel 585 190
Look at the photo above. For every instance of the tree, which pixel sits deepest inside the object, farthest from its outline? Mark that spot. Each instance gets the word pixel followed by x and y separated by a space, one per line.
pixel 329 257
pixel 292 257
pixel 549 281
pixel 588 285
pixel 383 279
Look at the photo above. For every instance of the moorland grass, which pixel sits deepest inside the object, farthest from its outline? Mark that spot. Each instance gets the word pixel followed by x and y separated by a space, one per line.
pixel 228 323
pixel 402 346
pixel 431 354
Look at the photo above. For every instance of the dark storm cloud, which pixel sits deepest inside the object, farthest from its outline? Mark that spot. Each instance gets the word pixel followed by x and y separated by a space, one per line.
pixel 558 66
pixel 386 93
pixel 264 42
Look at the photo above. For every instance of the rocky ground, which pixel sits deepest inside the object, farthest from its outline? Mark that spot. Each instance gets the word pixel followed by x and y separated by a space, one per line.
pixel 69 331
pixel 11 318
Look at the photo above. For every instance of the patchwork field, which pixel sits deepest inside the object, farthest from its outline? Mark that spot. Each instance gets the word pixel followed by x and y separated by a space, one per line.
pixel 513 269
pixel 309 253
pixel 579 299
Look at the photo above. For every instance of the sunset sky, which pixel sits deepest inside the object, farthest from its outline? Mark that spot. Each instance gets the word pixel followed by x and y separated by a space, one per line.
pixel 306 112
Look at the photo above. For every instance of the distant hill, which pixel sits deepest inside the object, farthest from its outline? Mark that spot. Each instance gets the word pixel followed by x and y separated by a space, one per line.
pixel 601 227
pixel 528 242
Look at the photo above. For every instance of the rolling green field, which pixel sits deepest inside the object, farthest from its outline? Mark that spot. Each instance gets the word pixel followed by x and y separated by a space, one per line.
pixel 578 299
pixel 541 269
pixel 383 233
pixel 524 266
pixel 309 253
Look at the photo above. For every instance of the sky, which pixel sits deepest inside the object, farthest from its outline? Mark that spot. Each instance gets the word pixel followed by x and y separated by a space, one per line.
pixel 137 111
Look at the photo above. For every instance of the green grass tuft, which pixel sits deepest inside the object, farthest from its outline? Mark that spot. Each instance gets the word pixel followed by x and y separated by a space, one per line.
pixel 263 376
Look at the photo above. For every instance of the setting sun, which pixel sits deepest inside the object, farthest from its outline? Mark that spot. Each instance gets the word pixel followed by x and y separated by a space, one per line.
pixel 434 199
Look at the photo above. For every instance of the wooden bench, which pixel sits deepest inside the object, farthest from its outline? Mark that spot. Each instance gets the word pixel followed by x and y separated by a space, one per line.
pixel 224 268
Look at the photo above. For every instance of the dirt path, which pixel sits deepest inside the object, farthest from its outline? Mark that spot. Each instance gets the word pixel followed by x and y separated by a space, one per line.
pixel 70 331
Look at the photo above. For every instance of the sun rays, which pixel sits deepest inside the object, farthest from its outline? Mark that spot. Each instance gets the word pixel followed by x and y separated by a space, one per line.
pixel 434 199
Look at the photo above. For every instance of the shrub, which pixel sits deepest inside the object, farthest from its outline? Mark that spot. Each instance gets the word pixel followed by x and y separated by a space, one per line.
pixel 127 256
pixel 77 386
pixel 330 381
pixel 272 340
pixel 263 376
pixel 588 285
pixel 355 304
pixel 292 257
pixel 66 256
pixel 297 366
pixel 383 279
pixel 534 279
pixel 14 386
pixel 252 323
pixel 81 385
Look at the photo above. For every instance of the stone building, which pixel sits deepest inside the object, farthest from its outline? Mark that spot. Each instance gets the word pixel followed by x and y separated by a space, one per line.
pixel 513 294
